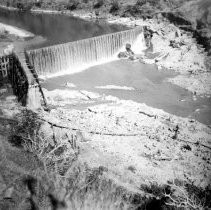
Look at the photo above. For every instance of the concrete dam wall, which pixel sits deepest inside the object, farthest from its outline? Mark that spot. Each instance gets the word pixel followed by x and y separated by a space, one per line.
pixel 75 56
pixel 23 69
pixel 13 73
pixel 16 71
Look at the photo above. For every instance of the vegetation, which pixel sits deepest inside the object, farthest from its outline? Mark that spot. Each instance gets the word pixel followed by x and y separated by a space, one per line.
pixel 179 195
pixel 115 6
pixel 3 33
pixel 72 5
pixel 98 4
pixel 67 182
pixel 63 180
pixel 20 4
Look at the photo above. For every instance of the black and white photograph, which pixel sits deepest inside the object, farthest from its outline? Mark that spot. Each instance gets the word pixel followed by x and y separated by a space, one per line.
pixel 105 104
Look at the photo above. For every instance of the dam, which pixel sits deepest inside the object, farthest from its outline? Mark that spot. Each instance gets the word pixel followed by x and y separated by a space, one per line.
pixel 69 58
pixel 75 56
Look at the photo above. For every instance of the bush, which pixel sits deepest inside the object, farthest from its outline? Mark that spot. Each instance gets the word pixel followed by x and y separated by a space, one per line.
pixel 144 11
pixel 23 5
pixel 153 2
pixel 99 4
pixel 38 4
pixel 16 141
pixel 156 4
pixel 72 5
pixel 140 2
pixel 26 128
pixel 114 6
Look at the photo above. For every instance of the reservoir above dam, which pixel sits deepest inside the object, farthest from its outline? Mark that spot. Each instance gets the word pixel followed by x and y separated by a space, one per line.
pixel 56 28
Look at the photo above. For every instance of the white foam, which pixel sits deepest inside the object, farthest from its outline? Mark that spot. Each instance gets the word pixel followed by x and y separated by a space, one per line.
pixel 73 57
pixel 115 87
pixel 69 85
pixel 78 69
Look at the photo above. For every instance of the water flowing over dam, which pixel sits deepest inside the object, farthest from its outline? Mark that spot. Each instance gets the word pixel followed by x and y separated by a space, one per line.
pixel 75 56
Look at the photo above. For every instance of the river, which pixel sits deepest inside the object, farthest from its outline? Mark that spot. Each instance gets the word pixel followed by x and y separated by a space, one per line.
pixel 148 85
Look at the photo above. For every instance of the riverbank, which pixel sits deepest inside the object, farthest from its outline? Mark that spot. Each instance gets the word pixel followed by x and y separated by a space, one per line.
pixel 14 38
pixel 184 55
pixel 142 149
pixel 20 33
pixel 130 124
pixel 193 15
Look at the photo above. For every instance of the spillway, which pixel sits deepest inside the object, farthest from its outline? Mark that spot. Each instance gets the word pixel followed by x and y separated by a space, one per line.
pixel 75 56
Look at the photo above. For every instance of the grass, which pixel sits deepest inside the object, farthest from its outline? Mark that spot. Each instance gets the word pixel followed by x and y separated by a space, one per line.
pixel 65 181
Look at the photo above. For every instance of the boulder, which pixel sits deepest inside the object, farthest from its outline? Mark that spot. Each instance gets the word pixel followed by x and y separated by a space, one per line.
pixel 8 193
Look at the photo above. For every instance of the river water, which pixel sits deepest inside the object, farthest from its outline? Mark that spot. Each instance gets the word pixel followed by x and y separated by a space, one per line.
pixel 148 85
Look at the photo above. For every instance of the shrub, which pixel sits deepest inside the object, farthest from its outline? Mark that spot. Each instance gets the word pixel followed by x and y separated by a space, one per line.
pixel 153 2
pixel 38 3
pixel 20 6
pixel 16 141
pixel 99 4
pixel 144 11
pixel 28 123
pixel 72 5
pixel 140 2
pixel 114 6
pixel 23 5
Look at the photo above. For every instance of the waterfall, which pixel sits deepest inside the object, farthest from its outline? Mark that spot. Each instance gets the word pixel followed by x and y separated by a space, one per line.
pixel 75 56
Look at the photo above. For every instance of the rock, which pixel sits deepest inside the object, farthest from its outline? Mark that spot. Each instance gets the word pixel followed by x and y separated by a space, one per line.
pixel 69 85
pixel 8 193
pixel 159 67
pixel 122 55
pixel 9 49
pixel 3 91
pixel 178 33
pixel 194 98
pixel 2 188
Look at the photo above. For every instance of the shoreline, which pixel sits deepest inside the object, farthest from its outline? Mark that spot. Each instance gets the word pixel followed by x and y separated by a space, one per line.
pixel 136 148
pixel 12 30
